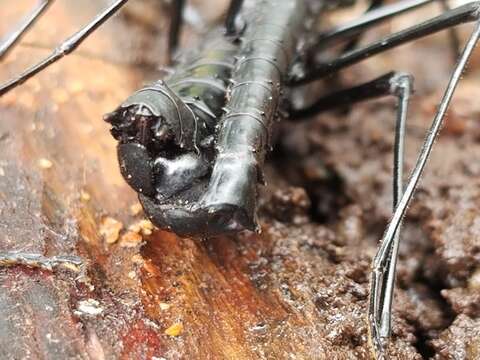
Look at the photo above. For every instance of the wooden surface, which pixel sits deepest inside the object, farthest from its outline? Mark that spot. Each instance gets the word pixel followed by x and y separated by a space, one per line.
pixel 297 291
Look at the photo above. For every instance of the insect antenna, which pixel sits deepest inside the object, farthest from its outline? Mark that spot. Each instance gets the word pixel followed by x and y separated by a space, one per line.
pixel 65 48
pixel 72 43
pixel 11 39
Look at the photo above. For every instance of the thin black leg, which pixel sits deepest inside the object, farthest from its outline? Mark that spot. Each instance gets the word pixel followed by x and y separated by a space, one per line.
pixel 65 48
pixel 176 23
pixel 466 13
pixel 363 23
pixel 352 44
pixel 376 88
pixel 383 278
pixel 11 39
pixel 232 12
pixel 454 38
pixel 384 262
pixel 452 33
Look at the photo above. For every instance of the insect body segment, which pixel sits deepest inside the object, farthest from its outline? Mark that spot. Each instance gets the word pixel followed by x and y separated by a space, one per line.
pixel 166 133
pixel 227 201
pixel 268 46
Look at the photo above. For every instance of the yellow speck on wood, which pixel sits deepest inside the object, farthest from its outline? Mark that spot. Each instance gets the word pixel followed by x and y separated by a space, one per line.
pixel 60 96
pixel 164 306
pixel 130 239
pixel 75 86
pixel 45 163
pixel 110 229
pixel 135 227
pixel 146 226
pixel 143 226
pixel 138 259
pixel 71 267
pixel 135 209
pixel 474 282
pixel 174 330
pixel 85 196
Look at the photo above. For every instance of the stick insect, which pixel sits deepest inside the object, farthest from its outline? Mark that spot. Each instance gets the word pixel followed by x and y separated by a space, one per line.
pixel 196 170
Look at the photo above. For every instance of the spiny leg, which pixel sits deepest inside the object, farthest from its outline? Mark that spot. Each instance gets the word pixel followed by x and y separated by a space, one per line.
pixel 353 40
pixel 399 85
pixel 386 12
pixel 353 29
pixel 384 260
pixel 64 48
pixel 11 39
pixel 383 279
pixel 232 12
pixel 457 16
pixel 381 86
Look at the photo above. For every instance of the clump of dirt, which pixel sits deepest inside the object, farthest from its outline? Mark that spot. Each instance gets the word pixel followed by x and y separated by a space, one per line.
pixel 437 292
pixel 460 340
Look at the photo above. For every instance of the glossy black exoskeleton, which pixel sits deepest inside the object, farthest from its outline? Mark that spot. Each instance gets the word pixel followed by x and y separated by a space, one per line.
pixel 166 133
